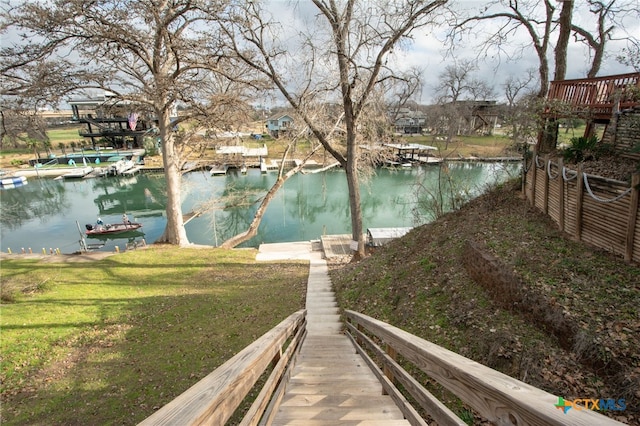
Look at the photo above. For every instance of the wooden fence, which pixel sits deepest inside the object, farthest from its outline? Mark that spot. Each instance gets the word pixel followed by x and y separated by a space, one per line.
pixel 593 209
pixel 499 398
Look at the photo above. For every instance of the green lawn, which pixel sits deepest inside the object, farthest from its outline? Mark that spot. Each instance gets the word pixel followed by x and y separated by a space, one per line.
pixel 112 340
pixel 64 135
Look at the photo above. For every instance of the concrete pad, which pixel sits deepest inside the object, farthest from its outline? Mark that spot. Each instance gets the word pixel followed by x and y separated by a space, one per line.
pixel 300 250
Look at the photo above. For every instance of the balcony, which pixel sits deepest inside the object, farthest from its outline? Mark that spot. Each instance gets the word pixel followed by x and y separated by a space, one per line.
pixel 593 98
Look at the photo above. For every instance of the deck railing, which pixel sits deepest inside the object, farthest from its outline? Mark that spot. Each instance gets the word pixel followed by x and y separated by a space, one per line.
pixel 215 398
pixel 596 97
pixel 497 397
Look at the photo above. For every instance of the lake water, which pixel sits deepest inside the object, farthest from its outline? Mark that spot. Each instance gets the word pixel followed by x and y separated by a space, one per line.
pixel 46 214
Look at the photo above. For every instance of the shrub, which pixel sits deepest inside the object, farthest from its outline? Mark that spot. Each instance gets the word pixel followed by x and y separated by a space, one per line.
pixel 581 149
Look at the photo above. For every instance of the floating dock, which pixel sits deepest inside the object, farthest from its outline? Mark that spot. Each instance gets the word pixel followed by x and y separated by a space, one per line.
pixel 79 173
pixel 377 237
pixel 13 180
pixel 132 171
pixel 217 169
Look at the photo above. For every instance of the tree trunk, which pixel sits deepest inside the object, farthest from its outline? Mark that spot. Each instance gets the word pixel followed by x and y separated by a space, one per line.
pixel 563 40
pixel 548 136
pixel 257 218
pixel 174 232
pixel 353 183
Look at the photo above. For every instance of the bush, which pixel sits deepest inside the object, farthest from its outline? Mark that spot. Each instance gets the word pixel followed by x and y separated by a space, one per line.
pixel 581 149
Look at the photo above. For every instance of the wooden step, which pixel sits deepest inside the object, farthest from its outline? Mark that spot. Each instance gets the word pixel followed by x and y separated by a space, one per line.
pixel 313 422
pixel 334 413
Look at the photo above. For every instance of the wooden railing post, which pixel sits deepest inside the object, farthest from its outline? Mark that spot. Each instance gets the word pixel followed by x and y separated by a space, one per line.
pixel 534 171
pixel 579 202
pixel 361 329
pixel 561 193
pixel 633 216
pixel 545 201
pixel 393 354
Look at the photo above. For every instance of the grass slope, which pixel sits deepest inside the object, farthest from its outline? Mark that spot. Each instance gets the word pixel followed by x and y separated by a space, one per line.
pixel 419 284
pixel 111 341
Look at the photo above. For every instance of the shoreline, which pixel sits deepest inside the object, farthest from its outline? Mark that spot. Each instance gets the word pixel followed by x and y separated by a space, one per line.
pixel 61 171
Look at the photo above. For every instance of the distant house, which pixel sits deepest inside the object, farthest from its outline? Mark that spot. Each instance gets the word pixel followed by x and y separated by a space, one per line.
pixel 474 116
pixel 409 122
pixel 279 124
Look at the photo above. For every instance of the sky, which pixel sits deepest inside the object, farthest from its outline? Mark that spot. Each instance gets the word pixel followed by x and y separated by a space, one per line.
pixel 429 52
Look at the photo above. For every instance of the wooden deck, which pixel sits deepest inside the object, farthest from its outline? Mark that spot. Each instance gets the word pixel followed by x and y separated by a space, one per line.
pixel 330 383
pixel 594 98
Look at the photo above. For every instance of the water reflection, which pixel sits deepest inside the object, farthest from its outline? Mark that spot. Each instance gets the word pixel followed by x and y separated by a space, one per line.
pixel 38 201
pixel 47 213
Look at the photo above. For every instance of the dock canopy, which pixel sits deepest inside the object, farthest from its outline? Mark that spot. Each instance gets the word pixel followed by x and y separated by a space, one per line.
pixel 377 237
pixel 243 151
pixel 402 147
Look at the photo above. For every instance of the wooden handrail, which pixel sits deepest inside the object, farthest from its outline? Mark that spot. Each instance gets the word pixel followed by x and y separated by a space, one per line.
pixel 214 399
pixel 499 398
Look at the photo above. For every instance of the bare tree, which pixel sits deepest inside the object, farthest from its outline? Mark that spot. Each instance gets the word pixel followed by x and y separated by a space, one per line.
pixel 534 18
pixel 631 55
pixel 609 17
pixel 520 117
pixel 157 53
pixel 402 95
pixel 252 230
pixel 342 61
pixel 541 21
pixel 457 84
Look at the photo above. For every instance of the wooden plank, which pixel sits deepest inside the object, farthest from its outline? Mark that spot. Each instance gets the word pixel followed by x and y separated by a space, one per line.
pixel 354 387
pixel 336 400
pixel 342 422
pixel 532 179
pixel 561 197
pixel 334 413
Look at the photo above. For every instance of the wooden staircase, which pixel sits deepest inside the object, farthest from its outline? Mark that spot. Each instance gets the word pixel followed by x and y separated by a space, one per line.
pixel 317 373
pixel 330 383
